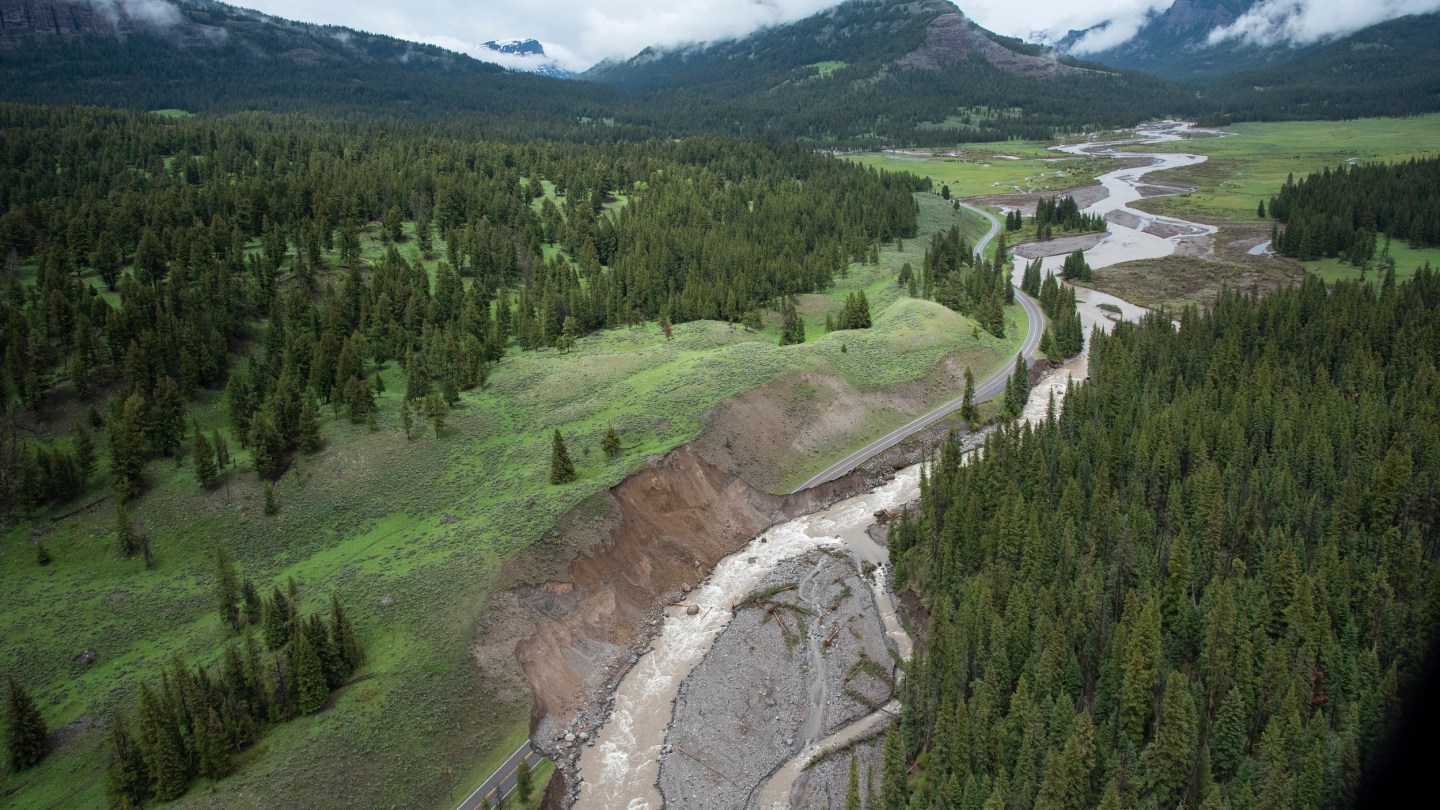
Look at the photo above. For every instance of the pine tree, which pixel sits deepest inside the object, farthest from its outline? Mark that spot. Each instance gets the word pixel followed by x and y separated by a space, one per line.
pixel 407 419
pixel 1142 671
pixel 562 469
pixel 212 749
pixel 25 733
pixel 344 637
pixel 523 784
pixel 611 443
pixel 1171 755
pixel 417 377
pixel 309 439
pixel 278 619
pixel 311 690
pixel 1017 389
pixel 204 457
pixel 162 747
pixel 84 443
pixel 222 452
pixel 968 411
pixel 270 508
pixel 125 778
pixel 435 411
pixel 1260 211
pixel 894 793
pixel 1228 739
pixel 127 448
pixel 227 588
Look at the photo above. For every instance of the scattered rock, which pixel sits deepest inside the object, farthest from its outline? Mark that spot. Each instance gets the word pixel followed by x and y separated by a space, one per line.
pixel 386 601
pixel 85 659
pixel 693 610
pixel 449 519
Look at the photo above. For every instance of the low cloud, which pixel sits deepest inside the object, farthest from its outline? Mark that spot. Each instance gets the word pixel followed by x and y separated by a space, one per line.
pixel 575 33
pixel 1049 20
pixel 1275 22
pixel 155 13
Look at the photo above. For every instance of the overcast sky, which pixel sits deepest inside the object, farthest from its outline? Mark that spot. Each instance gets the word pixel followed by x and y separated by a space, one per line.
pixel 580 32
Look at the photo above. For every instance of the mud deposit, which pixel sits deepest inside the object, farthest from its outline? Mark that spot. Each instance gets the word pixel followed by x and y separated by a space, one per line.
pixel 736 720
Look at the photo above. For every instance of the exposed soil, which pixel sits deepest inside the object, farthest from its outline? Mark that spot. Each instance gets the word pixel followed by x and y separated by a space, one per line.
pixel 1085 196
pixel 762 434
pixel 1059 245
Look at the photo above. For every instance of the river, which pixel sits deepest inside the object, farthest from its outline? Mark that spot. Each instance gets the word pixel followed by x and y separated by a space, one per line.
pixel 621 769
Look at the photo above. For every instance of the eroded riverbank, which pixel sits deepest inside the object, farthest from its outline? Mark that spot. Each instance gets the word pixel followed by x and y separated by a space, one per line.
pixel 629 763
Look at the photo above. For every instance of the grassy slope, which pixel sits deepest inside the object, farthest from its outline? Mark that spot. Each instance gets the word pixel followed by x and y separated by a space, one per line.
pixel 425 522
pixel 1252 165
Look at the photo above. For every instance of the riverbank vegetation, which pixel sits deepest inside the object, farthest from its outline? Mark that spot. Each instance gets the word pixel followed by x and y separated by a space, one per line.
pixel 1207 583
pixel 1354 212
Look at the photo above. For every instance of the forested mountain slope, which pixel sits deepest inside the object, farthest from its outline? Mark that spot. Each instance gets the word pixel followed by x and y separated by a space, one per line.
pixel 200 55
pixel 1207 583
pixel 1388 69
pixel 904 72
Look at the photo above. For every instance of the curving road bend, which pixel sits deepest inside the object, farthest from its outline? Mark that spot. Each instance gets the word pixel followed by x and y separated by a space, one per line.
pixel 985 390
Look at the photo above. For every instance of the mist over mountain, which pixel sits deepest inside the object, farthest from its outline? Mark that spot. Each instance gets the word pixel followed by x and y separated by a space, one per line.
pixel 527 55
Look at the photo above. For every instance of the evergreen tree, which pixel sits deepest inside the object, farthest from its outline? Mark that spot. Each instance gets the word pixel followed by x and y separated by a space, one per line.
pixel 127 448
pixel 1171 756
pixel 167 417
pixel 407 419
pixel 227 588
pixel 125 778
pixel 204 457
pixel 279 616
pixel 968 411
pixel 435 411
pixel 611 443
pixel 1228 740
pixel 309 440
pixel 1017 389
pixel 311 690
pixel 25 733
pixel 894 793
pixel 222 452
pixel 344 637
pixel 562 469
pixel 162 747
pixel 84 443
pixel 417 377
pixel 524 787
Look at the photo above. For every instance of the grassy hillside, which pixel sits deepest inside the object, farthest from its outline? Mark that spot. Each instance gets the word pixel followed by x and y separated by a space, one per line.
pixel 412 536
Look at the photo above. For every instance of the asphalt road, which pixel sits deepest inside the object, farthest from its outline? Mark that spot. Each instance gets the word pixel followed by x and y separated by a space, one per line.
pixel 987 389
pixel 500 783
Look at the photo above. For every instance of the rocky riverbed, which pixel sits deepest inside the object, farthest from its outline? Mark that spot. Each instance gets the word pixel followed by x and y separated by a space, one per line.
pixel 771 684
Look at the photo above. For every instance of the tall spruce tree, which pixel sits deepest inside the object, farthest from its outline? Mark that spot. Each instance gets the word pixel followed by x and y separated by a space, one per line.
pixel 562 469
pixel 203 456
pixel 25 733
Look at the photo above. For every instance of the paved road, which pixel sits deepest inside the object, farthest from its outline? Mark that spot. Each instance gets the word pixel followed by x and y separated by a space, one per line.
pixel 500 783
pixel 987 389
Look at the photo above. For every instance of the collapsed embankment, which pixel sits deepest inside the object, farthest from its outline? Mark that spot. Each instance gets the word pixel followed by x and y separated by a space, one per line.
pixel 635 550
